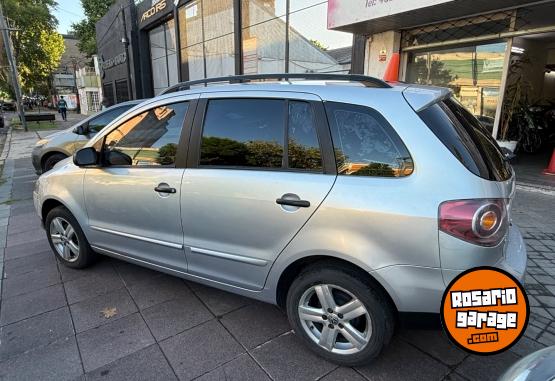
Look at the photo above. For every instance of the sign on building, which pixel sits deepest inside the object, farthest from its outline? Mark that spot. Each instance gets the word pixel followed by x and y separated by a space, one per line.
pixel 347 12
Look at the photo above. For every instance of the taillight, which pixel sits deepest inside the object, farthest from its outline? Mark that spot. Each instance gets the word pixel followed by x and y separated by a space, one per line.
pixel 483 222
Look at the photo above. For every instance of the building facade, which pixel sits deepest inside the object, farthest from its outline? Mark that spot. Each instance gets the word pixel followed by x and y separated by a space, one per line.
pixel 477 48
pixel 173 41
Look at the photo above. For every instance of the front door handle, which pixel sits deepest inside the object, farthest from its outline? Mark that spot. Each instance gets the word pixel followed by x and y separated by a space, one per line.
pixel 297 203
pixel 165 188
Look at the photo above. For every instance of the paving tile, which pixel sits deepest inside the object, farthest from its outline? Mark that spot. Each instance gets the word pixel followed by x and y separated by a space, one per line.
pixel 548 301
pixel 148 364
pixel 157 290
pixel 24 237
pixel 239 369
pixel 436 344
pixel 33 303
pixel 26 249
pixel 133 274
pixel 200 350
pixel 524 346
pixel 102 345
pixel 34 332
pixel 31 281
pixel 30 263
pixel 285 358
pixel 102 266
pixel 218 301
pixel 486 368
pixel 255 324
pixel 27 225
pixel 57 362
pixel 401 361
pixel 88 314
pixel 343 374
pixel 174 316
pixel 93 285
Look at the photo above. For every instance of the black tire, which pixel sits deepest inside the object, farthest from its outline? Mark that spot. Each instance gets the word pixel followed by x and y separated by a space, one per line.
pixel 379 309
pixel 51 161
pixel 86 256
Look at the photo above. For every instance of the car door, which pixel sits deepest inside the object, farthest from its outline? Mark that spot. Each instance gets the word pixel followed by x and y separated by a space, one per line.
pixel 133 201
pixel 259 166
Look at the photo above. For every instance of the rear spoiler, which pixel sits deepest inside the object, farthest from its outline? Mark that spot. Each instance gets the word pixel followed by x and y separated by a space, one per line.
pixel 422 97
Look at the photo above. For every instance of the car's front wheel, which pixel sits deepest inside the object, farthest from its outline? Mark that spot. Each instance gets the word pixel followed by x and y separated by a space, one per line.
pixel 67 240
pixel 51 161
pixel 339 315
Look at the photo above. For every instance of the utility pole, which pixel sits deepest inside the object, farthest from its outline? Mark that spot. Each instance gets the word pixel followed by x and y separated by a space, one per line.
pixel 13 65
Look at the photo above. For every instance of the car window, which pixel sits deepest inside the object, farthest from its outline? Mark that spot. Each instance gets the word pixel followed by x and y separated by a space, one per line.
pixel 98 123
pixel 150 138
pixel 303 148
pixel 467 139
pixel 365 144
pixel 244 133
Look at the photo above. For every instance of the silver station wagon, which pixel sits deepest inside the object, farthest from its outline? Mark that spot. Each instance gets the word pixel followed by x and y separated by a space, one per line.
pixel 345 200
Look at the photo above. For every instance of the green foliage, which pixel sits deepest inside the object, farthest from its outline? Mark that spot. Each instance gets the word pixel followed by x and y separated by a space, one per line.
pixel 38 48
pixel 318 44
pixel 85 30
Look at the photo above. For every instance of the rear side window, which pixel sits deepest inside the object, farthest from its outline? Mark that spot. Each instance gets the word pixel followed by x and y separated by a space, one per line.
pixel 244 133
pixel 303 148
pixel 467 139
pixel 365 144
pixel 260 133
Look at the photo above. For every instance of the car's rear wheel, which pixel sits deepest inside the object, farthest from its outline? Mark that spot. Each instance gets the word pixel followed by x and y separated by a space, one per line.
pixel 339 315
pixel 51 161
pixel 67 240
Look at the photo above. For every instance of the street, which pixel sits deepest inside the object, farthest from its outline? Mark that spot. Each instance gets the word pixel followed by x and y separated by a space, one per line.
pixel 120 321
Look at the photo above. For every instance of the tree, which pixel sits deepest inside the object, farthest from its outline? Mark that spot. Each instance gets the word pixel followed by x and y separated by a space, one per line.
pixel 85 30
pixel 38 48
pixel 318 44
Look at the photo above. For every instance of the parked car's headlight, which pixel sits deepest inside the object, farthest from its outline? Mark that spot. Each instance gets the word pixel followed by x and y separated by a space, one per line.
pixel 41 143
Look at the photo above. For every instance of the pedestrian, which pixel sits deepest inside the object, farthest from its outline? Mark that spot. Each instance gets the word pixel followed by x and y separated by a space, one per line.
pixel 62 108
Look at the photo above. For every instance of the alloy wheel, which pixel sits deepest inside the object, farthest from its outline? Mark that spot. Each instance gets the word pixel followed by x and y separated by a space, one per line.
pixel 335 319
pixel 64 239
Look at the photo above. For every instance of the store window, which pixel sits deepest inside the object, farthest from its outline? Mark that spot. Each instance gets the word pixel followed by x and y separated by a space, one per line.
pixel 163 56
pixel 207 39
pixel 474 73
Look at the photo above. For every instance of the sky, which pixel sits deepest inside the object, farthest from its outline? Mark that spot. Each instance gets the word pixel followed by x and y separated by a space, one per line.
pixel 68 12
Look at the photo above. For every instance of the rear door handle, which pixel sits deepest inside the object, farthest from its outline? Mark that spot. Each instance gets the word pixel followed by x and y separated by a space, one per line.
pixel 165 188
pixel 297 203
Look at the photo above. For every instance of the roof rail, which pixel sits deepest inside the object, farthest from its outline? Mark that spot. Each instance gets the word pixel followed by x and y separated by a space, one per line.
pixel 365 80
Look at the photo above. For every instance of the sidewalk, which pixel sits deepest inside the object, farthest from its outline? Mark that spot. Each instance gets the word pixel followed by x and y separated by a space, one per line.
pixel 56 323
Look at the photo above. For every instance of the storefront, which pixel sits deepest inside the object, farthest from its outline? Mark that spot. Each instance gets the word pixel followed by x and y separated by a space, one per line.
pixel 186 40
pixel 473 47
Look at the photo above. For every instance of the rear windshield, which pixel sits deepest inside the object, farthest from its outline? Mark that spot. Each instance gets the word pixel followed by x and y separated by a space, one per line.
pixel 467 139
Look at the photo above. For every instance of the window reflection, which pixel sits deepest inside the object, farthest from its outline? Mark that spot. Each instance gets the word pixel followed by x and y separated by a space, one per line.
pixel 150 138
pixel 303 148
pixel 365 144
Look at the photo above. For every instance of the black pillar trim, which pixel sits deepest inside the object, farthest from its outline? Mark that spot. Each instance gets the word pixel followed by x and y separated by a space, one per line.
pixel 287 9
pixel 358 54
pixel 238 36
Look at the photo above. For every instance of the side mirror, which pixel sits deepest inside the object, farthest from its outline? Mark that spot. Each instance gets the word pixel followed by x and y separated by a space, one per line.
pixel 82 129
pixel 85 157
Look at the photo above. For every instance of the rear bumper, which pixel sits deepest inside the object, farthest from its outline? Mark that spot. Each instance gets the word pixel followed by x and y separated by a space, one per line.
pixel 420 289
pixel 516 258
